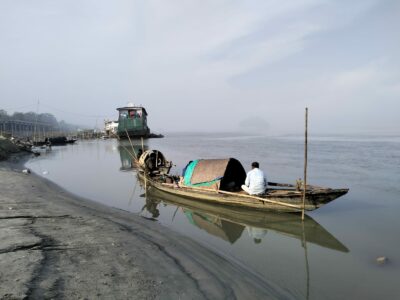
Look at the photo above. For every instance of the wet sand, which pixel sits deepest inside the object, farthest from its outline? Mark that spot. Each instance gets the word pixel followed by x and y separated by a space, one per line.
pixel 56 245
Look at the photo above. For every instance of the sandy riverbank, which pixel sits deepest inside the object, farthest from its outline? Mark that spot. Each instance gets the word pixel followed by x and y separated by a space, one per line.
pixel 54 244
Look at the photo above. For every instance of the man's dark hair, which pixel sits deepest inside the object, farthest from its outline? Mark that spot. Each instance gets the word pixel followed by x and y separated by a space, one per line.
pixel 255 164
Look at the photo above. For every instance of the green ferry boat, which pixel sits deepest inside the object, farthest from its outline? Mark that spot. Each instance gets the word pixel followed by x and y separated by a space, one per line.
pixel 132 121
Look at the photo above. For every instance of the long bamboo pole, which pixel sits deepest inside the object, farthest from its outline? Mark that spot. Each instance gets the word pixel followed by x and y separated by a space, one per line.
pixel 304 242
pixel 133 149
pixel 305 165
pixel 132 155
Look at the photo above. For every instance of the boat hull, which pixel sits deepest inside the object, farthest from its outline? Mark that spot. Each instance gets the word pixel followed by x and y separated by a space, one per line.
pixel 275 199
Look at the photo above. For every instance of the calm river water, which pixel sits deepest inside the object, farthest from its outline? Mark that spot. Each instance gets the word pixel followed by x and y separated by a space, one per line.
pixel 330 256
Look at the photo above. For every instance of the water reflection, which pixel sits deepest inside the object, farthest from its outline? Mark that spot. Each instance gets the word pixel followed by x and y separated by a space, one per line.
pixel 229 223
pixel 127 152
pixel 223 229
pixel 272 247
pixel 151 206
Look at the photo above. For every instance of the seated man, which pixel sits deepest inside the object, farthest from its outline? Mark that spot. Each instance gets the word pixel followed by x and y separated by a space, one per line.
pixel 256 182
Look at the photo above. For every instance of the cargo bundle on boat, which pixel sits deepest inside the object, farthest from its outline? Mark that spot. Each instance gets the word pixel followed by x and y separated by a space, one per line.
pixel 219 181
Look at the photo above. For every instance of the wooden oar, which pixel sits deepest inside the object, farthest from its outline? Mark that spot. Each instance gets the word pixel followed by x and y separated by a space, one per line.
pixel 294 186
pixel 281 184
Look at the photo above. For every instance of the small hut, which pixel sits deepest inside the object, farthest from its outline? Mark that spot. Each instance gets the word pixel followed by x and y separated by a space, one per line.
pixel 132 120
pixel 220 174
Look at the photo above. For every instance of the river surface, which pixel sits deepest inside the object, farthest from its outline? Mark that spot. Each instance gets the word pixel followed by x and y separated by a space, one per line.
pixel 332 255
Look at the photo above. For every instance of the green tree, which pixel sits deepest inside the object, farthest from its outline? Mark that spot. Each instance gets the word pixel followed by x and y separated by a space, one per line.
pixel 18 116
pixel 3 115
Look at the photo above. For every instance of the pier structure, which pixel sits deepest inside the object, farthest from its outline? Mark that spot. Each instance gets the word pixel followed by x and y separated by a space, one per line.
pixel 19 128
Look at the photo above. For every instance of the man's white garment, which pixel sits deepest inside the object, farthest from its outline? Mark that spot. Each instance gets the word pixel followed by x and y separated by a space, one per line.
pixel 256 182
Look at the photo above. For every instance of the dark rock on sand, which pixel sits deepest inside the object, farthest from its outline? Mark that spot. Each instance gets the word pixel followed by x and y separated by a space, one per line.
pixel 7 148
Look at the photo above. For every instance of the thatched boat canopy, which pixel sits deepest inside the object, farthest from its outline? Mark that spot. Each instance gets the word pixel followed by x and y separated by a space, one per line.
pixel 221 174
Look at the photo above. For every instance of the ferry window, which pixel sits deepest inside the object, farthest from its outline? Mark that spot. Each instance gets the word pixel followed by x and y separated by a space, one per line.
pixel 132 113
pixel 123 113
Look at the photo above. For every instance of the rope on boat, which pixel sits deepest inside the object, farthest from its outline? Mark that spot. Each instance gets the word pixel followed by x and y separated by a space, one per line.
pixel 133 149
pixel 119 139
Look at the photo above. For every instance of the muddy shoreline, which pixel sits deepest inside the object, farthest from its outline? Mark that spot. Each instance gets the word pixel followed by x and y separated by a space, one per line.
pixel 57 245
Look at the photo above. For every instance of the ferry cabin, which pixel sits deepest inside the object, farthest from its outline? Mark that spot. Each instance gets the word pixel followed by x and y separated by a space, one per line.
pixel 132 120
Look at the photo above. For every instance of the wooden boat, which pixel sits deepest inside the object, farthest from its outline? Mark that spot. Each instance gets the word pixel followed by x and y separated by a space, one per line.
pixel 40 143
pixel 218 181
pixel 61 140
pixel 70 140
pixel 227 222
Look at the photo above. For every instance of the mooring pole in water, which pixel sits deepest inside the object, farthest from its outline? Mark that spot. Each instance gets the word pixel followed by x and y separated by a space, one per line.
pixel 142 145
pixel 305 167
pixel 304 244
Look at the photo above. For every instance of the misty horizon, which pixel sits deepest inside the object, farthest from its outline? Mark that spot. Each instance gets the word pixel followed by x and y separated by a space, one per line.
pixel 206 66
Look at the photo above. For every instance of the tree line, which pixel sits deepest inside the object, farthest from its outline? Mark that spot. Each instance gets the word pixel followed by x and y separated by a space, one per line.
pixel 33 117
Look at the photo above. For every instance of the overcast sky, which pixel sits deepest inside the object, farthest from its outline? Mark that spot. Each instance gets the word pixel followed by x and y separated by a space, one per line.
pixel 206 65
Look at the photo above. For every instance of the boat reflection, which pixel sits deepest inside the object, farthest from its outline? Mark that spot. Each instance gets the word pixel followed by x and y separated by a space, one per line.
pixel 229 223
pixel 224 229
pixel 126 154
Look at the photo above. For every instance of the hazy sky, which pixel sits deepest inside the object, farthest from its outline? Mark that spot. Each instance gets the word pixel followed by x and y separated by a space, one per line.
pixel 209 65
